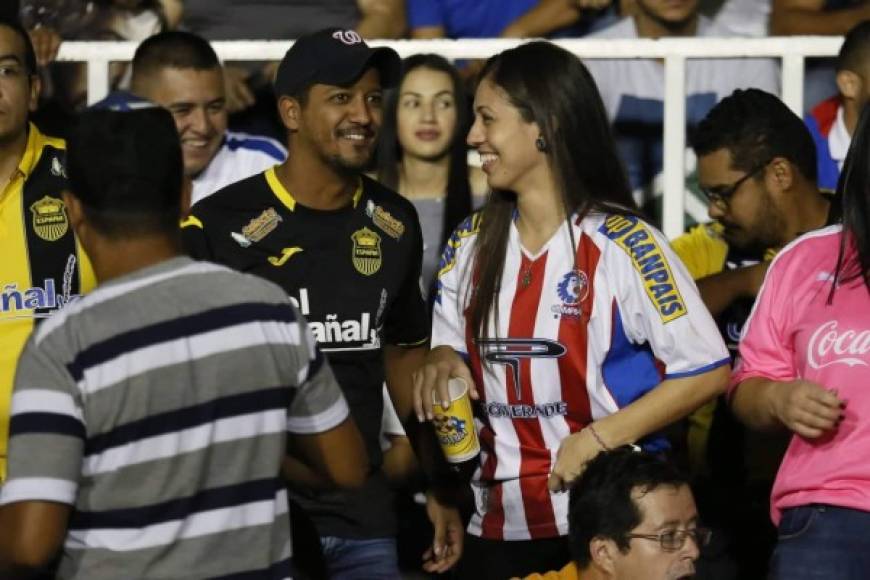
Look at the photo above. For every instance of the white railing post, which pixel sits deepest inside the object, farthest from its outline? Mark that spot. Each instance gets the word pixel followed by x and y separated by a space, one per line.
pixel 793 82
pixel 673 204
pixel 98 80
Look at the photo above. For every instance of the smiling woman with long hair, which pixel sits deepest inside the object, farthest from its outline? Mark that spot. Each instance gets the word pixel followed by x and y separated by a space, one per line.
pixel 575 324
pixel 422 152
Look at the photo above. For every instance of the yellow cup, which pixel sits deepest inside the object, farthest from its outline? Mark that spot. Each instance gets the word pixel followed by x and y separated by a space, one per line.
pixel 454 427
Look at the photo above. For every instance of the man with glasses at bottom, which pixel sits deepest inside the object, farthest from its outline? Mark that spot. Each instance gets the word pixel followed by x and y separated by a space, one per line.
pixel 757 167
pixel 631 515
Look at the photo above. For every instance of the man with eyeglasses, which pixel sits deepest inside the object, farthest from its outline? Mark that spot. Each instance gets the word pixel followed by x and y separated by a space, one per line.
pixel 757 167
pixel 631 515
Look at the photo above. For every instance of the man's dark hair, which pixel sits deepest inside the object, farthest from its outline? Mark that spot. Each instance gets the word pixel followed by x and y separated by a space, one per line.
pixel 173 49
pixel 755 126
pixel 126 169
pixel 854 54
pixel 29 54
pixel 601 504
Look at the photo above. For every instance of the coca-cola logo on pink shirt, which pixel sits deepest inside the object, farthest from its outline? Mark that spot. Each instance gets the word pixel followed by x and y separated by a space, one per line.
pixel 829 347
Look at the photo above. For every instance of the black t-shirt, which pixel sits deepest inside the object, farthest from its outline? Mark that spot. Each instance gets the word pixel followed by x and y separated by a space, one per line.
pixel 354 272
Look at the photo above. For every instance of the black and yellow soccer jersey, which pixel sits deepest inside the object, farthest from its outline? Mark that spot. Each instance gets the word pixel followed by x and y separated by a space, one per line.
pixel 43 268
pixel 354 273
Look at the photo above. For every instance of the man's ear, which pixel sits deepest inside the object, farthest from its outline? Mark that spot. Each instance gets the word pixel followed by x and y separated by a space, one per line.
pixel 783 173
pixel 604 552
pixel 849 84
pixel 290 112
pixel 74 210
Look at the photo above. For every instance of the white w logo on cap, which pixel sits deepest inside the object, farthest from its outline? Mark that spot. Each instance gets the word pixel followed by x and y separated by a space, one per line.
pixel 348 37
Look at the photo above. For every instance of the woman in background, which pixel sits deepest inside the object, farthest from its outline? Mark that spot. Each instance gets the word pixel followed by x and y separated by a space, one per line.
pixel 422 152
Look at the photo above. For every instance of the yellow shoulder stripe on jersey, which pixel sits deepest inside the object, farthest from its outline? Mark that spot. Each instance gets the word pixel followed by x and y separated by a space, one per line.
pixel 278 189
pixel 286 198
pixel 191 221
pixel 634 237
pixel 469 227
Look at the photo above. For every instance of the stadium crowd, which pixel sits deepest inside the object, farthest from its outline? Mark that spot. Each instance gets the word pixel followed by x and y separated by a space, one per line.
pixel 235 300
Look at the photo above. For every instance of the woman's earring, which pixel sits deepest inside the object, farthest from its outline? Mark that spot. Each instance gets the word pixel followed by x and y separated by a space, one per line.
pixel 540 144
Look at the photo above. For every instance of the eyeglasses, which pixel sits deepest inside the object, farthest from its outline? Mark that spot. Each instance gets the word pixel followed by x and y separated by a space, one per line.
pixel 723 197
pixel 673 540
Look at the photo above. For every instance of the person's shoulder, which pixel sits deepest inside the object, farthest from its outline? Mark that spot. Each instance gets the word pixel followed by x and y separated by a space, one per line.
pixel 714 29
pixel 623 28
pixel 235 196
pixel 121 101
pixel 626 238
pixel 374 192
pixel 808 251
pixel 256 144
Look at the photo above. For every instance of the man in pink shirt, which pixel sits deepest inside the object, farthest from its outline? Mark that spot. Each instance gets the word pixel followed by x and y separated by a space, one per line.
pixel 805 366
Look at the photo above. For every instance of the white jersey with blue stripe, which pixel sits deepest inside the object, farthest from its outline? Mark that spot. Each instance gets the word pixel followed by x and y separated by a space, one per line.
pixel 240 156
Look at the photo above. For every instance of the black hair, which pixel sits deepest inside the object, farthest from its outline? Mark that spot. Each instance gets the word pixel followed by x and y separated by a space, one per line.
pixel 126 169
pixel 601 503
pixel 173 49
pixel 458 203
pixel 552 88
pixel 854 53
pixel 755 126
pixel 29 54
pixel 853 188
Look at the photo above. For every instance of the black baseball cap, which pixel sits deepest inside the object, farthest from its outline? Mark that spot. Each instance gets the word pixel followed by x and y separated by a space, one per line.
pixel 333 56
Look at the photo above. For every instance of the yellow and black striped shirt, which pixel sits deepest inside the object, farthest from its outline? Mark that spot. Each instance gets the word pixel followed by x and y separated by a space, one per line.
pixel 43 268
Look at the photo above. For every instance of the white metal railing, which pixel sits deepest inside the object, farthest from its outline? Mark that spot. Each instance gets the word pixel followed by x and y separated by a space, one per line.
pixel 793 51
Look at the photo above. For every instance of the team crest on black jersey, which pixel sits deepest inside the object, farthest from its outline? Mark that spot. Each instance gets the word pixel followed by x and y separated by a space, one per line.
pixel 366 252
pixel 49 218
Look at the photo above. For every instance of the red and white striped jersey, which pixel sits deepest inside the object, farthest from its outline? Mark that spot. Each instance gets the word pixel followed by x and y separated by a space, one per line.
pixel 571 346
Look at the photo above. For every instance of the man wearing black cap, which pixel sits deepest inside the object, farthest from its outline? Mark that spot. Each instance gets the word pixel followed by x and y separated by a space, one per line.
pixel 349 251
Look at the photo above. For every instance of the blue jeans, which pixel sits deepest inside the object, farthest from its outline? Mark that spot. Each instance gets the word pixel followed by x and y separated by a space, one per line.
pixel 822 542
pixel 375 559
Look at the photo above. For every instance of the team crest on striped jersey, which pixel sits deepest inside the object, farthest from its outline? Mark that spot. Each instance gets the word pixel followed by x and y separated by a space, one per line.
pixel 262 225
pixel 572 289
pixel 49 219
pixel 366 251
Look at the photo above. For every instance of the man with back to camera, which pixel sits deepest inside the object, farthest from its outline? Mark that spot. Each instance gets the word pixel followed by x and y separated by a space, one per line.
pixel 42 267
pixel 151 419
pixel 631 516
pixel 348 251
pixel 180 71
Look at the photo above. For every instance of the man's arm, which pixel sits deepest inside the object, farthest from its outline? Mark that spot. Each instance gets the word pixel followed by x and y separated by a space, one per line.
pixel 334 458
pixel 31 534
pixel 381 18
pixel 401 363
pixel 720 290
pixel 809 17
pixel 173 10
pixel 543 18
pixel 805 408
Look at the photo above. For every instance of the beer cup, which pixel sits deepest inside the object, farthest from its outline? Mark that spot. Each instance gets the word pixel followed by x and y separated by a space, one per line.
pixel 454 427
